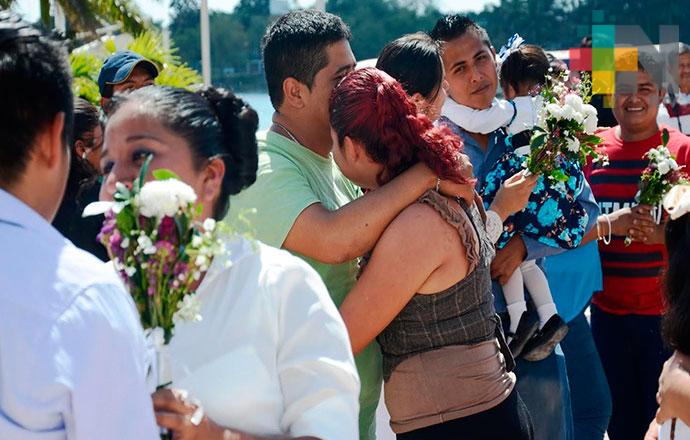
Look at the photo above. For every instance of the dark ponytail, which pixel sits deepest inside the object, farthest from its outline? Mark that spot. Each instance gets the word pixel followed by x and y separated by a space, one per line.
pixel 676 321
pixel 215 123
pixel 239 124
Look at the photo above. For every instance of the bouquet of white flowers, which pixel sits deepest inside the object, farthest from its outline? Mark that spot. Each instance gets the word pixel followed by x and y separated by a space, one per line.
pixel 565 129
pixel 160 251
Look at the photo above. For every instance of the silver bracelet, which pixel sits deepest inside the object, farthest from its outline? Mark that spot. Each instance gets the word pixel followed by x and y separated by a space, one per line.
pixel 606 240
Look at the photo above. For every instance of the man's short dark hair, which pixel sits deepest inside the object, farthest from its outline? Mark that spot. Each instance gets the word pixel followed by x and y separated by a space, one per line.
pixel 35 85
pixel 453 26
pixel 294 46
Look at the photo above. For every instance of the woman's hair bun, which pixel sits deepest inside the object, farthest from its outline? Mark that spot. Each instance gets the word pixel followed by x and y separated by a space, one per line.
pixel 239 123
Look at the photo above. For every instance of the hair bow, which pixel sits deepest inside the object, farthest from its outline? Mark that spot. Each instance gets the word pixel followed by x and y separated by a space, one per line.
pixel 511 46
pixel 677 201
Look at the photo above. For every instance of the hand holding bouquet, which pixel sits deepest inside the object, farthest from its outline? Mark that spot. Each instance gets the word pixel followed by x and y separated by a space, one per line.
pixel 159 250
pixel 564 130
pixel 661 174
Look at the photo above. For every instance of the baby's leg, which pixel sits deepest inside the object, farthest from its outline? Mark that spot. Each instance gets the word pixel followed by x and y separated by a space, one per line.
pixel 538 288
pixel 514 293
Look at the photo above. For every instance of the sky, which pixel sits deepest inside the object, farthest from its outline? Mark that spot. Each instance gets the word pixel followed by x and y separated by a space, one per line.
pixel 157 9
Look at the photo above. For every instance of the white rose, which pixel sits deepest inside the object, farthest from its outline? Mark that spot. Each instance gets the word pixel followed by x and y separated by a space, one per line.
pixel 589 110
pixel 164 197
pixel 591 123
pixel 664 167
pixel 554 110
pixel 673 164
pixel 572 144
pixel 567 112
pixel 574 101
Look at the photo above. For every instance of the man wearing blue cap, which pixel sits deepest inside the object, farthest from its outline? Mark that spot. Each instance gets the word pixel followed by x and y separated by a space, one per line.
pixel 122 71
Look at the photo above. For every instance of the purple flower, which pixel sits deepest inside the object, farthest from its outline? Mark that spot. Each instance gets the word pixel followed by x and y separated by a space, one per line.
pixel 166 254
pixel 167 230
pixel 115 240
pixel 107 228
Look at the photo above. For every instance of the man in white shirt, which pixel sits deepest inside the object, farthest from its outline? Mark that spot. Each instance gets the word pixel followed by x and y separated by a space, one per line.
pixel 71 346
pixel 675 110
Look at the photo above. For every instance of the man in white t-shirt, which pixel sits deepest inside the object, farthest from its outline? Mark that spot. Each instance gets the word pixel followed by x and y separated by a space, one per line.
pixel 71 345
pixel 675 110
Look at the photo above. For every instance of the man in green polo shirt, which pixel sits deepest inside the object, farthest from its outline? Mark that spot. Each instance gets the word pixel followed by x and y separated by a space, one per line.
pixel 300 201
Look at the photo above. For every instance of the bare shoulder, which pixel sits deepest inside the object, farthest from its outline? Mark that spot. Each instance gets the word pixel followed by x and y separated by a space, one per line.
pixel 419 224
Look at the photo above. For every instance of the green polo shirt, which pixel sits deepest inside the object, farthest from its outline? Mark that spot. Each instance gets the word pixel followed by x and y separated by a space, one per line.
pixel 291 178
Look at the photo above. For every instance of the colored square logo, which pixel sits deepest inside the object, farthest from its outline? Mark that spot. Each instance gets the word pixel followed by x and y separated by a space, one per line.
pixel 603 82
pixel 626 59
pixel 608 101
pixel 603 58
pixel 603 35
pixel 581 59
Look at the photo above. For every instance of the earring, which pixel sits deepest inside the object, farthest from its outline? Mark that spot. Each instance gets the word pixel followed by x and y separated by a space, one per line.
pixel 84 154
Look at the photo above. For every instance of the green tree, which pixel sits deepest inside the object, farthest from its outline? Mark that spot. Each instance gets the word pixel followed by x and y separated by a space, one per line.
pixel 88 15
pixel 376 22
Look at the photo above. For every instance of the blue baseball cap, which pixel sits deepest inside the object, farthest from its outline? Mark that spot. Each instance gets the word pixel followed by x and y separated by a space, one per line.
pixel 118 66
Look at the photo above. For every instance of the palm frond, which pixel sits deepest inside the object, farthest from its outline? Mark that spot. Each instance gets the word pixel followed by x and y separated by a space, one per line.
pixel 85 69
pixel 180 76
pixel 88 15
pixel 150 45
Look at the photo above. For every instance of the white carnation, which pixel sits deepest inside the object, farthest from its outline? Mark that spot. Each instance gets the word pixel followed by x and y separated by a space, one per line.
pixel 165 197
pixel 579 117
pixel 574 101
pixel 554 110
pixel 664 166
pixel 591 123
pixel 572 144
pixel 567 112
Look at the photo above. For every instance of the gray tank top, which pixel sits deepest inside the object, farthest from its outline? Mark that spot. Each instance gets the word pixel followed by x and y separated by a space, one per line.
pixel 464 313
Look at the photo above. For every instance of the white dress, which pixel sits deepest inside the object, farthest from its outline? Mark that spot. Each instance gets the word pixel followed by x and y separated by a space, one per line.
pixel 271 355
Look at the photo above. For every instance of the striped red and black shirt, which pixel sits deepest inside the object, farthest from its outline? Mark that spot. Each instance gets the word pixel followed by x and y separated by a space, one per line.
pixel 632 282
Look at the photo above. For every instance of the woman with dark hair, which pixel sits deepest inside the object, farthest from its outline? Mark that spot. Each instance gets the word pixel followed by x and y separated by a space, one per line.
pixel 271 356
pixel 674 383
pixel 82 187
pixel 414 60
pixel 425 289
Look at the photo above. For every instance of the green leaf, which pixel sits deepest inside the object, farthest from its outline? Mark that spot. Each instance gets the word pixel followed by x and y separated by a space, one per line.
pixel 664 137
pixel 142 173
pixel 164 174
pixel 537 140
pixel 125 221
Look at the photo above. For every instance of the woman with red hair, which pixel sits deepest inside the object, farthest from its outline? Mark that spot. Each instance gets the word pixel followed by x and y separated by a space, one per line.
pixel 425 292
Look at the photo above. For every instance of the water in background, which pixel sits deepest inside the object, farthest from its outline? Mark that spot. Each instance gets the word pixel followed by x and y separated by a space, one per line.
pixel 261 103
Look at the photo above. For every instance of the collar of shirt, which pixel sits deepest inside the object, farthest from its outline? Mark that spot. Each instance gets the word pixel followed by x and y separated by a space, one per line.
pixel 482 159
pixel 16 213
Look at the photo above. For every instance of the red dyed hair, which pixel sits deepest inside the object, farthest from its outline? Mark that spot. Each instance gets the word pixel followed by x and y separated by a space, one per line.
pixel 371 107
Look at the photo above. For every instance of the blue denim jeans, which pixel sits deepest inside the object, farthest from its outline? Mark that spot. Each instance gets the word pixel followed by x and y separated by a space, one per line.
pixel 543 387
pixel 589 391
